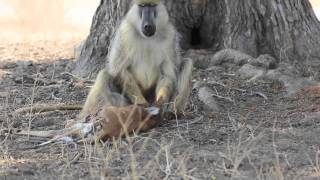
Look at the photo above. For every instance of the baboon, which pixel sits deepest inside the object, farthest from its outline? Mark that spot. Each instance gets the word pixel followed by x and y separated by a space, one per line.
pixel 144 63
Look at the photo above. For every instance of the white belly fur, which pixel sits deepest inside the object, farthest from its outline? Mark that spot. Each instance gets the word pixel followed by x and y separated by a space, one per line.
pixel 146 75
pixel 146 65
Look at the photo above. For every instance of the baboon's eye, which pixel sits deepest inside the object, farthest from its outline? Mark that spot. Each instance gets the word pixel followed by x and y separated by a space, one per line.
pixel 140 12
pixel 155 14
pixel 148 4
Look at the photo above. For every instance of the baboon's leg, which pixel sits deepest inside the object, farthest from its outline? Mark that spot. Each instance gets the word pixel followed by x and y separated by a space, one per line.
pixel 102 93
pixel 183 87
pixel 131 88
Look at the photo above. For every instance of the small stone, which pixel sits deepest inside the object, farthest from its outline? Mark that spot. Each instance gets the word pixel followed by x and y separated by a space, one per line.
pixel 24 63
pixel 197 85
pixel 230 56
pixel 28 80
pixel 201 59
pixel 265 60
pixel 7 65
pixel 250 72
pixel 216 69
pixel 205 95
pixel 19 100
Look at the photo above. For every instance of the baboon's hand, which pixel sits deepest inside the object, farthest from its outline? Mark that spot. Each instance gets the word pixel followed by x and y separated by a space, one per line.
pixel 162 96
pixel 141 101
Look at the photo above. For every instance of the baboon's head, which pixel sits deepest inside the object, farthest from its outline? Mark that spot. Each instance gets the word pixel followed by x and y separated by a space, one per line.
pixel 149 16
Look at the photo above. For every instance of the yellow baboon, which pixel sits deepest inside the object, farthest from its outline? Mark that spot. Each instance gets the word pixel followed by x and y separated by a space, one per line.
pixel 145 66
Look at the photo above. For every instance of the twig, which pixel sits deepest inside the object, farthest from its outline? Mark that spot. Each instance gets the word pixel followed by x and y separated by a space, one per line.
pixel 260 94
pixel 78 78
pixel 4 94
pixel 55 97
pixel 225 86
pixel 222 97
pixel 47 108
pixel 42 134
pixel 76 158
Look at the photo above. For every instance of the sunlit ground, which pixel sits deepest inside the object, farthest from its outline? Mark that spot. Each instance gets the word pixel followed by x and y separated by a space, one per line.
pixel 46 30
pixel 316 7
pixel 43 30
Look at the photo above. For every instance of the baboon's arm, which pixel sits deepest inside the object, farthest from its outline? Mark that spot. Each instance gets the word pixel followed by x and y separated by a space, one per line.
pixel 166 82
pixel 119 61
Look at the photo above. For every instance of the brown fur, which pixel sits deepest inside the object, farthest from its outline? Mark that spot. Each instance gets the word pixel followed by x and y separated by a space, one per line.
pixel 120 121
pixel 116 122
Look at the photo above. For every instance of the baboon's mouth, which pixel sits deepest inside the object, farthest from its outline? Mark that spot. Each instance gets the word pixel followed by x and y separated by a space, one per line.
pixel 149 30
pixel 148 33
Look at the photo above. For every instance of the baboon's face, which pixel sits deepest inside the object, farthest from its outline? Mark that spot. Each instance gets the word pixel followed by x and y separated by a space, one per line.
pixel 148 14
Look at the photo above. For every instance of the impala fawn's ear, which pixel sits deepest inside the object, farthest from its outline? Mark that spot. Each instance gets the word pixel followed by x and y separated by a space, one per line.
pixel 153 110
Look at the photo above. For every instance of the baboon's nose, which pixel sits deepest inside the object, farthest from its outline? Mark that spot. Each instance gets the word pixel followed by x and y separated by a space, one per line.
pixel 149 30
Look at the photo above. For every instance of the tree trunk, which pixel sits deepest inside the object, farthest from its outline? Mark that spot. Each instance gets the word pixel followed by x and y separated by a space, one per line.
pixel 95 49
pixel 286 29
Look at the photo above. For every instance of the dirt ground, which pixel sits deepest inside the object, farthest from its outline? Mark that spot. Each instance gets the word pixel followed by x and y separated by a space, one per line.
pixel 258 131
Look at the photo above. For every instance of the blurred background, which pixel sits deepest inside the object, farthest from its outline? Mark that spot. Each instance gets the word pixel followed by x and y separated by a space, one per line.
pixel 316 7
pixel 48 29
pixel 43 30
pixel 32 20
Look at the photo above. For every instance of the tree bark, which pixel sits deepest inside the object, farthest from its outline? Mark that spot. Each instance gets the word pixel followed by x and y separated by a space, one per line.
pixel 285 29
pixel 94 52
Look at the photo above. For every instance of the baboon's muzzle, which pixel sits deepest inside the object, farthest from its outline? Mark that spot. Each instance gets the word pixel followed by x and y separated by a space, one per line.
pixel 148 26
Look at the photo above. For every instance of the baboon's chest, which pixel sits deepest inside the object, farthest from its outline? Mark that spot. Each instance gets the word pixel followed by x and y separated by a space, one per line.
pixel 146 74
pixel 146 68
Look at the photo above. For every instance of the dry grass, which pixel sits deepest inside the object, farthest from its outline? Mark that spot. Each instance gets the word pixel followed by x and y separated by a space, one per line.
pixel 181 149
pixel 241 146
pixel 151 155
